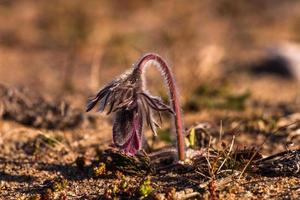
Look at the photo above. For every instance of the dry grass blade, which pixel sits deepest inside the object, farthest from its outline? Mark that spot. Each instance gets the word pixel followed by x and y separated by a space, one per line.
pixel 228 154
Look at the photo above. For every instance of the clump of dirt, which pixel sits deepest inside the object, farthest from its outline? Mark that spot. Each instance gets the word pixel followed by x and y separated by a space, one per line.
pixel 138 165
pixel 29 108
pixel 52 189
pixel 286 163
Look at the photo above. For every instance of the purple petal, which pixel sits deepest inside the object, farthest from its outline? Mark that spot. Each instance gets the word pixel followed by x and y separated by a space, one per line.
pixel 94 100
pixel 127 131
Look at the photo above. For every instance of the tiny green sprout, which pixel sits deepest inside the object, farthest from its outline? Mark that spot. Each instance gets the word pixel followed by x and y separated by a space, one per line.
pixel 100 169
pixel 124 184
pixel 145 189
pixel 115 189
pixel 59 185
pixel 192 138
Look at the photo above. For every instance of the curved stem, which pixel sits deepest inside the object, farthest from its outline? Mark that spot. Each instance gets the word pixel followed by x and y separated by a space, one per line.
pixel 173 95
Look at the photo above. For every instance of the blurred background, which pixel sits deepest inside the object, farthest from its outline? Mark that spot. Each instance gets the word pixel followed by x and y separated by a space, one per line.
pixel 224 50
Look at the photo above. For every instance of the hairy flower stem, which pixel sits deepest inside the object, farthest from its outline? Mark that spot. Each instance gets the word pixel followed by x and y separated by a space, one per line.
pixel 173 94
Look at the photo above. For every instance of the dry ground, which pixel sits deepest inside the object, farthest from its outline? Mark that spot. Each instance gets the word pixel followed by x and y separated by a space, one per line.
pixel 72 163
pixel 64 51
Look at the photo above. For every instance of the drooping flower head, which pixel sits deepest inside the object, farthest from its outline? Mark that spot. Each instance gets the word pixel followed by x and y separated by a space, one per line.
pixel 132 106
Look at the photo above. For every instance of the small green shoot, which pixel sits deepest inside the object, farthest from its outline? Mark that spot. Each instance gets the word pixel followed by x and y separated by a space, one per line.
pixel 145 189
pixel 100 169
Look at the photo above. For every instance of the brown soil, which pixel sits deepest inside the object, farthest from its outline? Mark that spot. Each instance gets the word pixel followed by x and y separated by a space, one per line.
pixel 242 128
